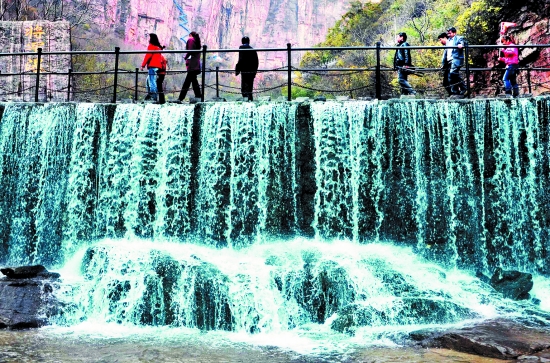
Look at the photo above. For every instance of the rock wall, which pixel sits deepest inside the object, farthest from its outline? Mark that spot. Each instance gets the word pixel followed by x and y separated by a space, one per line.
pixel 533 27
pixel 28 36
pixel 222 23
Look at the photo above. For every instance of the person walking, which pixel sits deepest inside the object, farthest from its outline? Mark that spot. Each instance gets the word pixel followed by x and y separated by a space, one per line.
pixel 193 64
pixel 453 58
pixel 510 57
pixel 446 66
pixel 247 67
pixel 153 63
pixel 161 73
pixel 402 63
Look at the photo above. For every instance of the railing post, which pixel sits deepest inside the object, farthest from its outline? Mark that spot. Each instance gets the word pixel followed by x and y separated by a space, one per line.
pixel 217 82
pixel 69 85
pixel 39 54
pixel 136 86
pixel 529 79
pixel 289 75
pixel 378 78
pixel 117 54
pixel 467 64
pixel 203 71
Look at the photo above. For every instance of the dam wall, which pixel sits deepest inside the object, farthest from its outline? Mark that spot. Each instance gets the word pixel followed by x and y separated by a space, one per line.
pixel 464 182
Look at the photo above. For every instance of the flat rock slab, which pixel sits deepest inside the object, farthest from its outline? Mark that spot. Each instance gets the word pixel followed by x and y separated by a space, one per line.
pixel 26 297
pixel 501 339
pixel 20 302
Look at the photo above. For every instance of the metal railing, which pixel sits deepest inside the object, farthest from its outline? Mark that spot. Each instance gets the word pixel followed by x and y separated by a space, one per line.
pixel 378 69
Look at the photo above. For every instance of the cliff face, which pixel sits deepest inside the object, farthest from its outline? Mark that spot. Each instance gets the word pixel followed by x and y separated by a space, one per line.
pixel 533 27
pixel 28 36
pixel 222 23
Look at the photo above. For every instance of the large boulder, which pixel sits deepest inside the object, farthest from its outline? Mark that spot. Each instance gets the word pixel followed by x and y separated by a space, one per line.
pixel 28 272
pixel 400 311
pixel 160 283
pixel 26 299
pixel 501 339
pixel 512 284
pixel 320 288
pixel 211 308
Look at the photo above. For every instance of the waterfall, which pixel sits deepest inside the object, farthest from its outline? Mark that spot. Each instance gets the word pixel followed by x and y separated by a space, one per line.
pixel 246 175
pixel 36 150
pixel 263 217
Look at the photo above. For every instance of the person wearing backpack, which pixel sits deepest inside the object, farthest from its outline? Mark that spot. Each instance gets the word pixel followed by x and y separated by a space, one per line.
pixel 153 63
pixel 402 63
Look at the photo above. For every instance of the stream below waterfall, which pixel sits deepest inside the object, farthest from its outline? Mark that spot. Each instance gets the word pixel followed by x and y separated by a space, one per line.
pixel 53 345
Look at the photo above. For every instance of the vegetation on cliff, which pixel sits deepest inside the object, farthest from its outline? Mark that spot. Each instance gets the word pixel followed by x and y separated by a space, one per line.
pixel 367 23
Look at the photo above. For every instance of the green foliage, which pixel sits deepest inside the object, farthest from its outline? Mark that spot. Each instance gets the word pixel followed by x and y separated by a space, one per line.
pixel 480 22
pixel 422 20
pixel 358 27
pixel 298 92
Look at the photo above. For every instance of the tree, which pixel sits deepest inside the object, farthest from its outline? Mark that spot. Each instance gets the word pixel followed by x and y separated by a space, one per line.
pixel 77 12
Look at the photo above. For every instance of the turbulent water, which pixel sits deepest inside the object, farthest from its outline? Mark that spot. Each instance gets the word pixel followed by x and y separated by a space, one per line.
pixel 317 227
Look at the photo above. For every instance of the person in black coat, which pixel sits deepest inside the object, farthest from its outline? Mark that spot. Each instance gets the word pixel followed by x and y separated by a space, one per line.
pixel 247 66
pixel 401 63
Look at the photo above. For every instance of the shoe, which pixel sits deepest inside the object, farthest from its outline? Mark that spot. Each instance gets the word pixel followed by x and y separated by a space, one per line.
pixel 147 98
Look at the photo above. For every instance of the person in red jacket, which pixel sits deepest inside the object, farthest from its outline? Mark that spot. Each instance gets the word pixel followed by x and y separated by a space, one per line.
pixel 153 61
pixel 510 57
pixel 193 63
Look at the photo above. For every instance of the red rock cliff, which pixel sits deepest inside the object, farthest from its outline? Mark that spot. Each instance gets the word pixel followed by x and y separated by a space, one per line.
pixel 222 23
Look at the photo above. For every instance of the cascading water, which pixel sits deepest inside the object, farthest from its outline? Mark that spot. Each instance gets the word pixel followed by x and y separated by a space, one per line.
pixel 246 185
pixel 284 218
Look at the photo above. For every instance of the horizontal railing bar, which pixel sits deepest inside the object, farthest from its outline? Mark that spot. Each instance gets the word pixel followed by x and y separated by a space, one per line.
pixel 350 70
pixel 297 49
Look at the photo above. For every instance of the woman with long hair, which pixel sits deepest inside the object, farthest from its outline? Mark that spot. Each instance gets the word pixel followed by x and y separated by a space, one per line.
pixel 193 64
pixel 153 61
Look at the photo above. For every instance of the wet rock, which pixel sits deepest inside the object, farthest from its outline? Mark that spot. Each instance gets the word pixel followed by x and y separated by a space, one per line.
pixel 157 301
pixel 321 288
pixel 512 284
pixel 116 291
pixel 500 339
pixel 28 272
pixel 481 276
pixel 211 309
pixel 95 261
pixel 394 281
pixel 401 311
pixel 27 302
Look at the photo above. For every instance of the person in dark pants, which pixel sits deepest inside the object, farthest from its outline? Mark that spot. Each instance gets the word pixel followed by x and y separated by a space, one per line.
pixel 446 66
pixel 454 56
pixel 152 61
pixel 193 64
pixel 402 62
pixel 247 67
pixel 161 73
